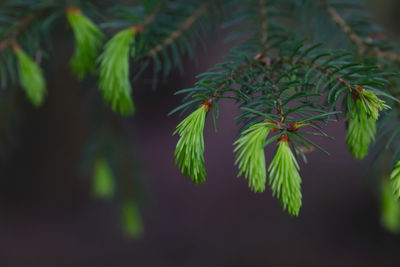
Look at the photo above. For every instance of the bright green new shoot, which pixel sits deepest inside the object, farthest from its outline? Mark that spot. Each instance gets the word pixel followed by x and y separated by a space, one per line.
pixel 88 39
pixel 284 178
pixel 189 152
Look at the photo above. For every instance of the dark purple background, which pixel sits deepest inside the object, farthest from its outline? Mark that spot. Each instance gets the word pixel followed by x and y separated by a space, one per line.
pixel 47 217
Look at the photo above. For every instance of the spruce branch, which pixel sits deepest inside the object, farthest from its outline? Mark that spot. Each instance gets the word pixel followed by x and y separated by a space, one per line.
pixel 264 25
pixel 362 45
pixel 184 27
pixel 20 28
pixel 149 19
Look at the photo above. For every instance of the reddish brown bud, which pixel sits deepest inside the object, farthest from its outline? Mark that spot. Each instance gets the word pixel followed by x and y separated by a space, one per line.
pixel 356 92
pixel 138 28
pixel 283 138
pixel 75 10
pixel 207 103
pixel 293 126
pixel 15 47
pixel 274 123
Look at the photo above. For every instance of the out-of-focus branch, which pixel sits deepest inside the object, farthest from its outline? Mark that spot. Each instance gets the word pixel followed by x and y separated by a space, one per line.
pixel 184 27
pixel 357 40
pixel 23 24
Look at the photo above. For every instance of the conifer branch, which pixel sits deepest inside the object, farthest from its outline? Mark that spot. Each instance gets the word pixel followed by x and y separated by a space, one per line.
pixel 337 77
pixel 264 25
pixel 361 44
pixel 346 29
pixel 184 27
pixel 153 15
pixel 23 24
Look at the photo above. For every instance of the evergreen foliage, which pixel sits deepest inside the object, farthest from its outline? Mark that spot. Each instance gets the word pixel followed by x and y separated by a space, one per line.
pixel 103 179
pixel 114 72
pixel 361 131
pixel 295 67
pixel 285 179
pixel 189 152
pixel 395 180
pixel 88 38
pixel 132 222
pixel 250 155
pixel 390 217
pixel 31 77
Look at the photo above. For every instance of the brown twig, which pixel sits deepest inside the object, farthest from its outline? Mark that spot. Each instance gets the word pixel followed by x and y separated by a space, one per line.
pixel 337 77
pixel 153 15
pixel 361 44
pixel 184 27
pixel 264 25
pixel 24 23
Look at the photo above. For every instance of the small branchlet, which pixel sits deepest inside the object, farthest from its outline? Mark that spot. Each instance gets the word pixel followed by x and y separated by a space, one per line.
pixel 114 71
pixel 363 116
pixel 189 152
pixel 284 178
pixel 30 76
pixel 361 131
pixel 103 179
pixel 250 155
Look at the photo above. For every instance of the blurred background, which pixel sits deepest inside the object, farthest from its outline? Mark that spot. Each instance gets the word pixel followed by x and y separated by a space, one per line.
pixel 48 216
